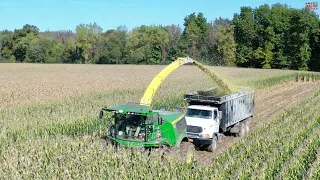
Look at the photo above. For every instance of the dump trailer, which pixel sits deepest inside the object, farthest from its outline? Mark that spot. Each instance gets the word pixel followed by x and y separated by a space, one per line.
pixel 209 116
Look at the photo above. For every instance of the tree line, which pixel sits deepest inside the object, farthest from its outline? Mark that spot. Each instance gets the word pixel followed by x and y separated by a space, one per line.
pixel 275 36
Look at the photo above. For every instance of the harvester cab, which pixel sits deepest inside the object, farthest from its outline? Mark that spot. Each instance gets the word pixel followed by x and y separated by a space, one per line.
pixel 138 125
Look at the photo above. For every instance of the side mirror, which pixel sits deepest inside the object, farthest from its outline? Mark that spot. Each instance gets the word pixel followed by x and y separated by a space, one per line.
pixel 160 120
pixel 220 114
pixel 101 114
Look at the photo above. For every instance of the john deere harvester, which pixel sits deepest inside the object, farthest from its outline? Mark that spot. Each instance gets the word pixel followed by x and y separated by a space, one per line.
pixel 138 125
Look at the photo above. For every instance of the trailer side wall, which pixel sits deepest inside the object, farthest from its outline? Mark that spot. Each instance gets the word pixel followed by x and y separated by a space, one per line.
pixel 236 109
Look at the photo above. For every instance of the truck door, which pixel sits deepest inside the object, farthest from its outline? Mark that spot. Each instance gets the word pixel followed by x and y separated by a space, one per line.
pixel 216 122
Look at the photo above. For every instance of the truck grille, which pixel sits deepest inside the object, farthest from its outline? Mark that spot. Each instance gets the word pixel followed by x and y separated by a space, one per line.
pixel 194 129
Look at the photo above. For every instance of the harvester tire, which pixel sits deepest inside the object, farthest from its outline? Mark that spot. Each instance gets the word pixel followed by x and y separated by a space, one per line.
pixel 160 152
pixel 188 150
pixel 213 144
pixel 105 141
pixel 164 150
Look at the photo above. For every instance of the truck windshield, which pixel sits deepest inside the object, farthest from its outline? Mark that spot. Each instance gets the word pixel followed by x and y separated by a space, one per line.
pixel 207 114
pixel 132 127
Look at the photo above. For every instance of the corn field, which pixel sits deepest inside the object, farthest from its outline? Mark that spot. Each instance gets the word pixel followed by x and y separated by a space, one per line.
pixel 282 149
pixel 58 137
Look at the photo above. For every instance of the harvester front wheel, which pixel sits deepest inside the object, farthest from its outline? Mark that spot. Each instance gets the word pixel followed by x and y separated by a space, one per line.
pixel 105 141
pixel 188 150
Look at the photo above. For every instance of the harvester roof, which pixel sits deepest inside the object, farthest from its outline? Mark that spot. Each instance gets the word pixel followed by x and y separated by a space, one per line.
pixel 132 108
pixel 144 110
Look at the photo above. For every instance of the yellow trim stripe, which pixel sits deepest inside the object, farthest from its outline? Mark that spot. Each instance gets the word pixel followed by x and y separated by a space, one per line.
pixel 177 120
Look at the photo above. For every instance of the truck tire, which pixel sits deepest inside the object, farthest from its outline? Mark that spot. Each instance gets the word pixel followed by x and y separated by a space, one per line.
pixel 242 129
pixel 247 126
pixel 213 144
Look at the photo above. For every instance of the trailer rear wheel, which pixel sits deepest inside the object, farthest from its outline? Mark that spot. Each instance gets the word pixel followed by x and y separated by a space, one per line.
pixel 242 129
pixel 213 144
pixel 247 126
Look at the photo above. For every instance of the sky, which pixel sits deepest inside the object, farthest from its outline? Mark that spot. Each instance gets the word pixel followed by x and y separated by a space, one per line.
pixel 109 14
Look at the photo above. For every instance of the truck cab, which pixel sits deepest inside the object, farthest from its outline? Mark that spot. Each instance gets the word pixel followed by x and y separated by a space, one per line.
pixel 203 124
pixel 209 116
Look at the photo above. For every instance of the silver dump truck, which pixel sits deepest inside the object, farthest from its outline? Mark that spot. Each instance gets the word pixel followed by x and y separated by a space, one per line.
pixel 208 117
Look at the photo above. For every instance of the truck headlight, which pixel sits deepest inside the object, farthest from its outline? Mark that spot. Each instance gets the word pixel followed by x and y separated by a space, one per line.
pixel 204 136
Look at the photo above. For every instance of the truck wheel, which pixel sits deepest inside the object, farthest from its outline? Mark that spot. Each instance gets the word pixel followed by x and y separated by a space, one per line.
pixel 213 144
pixel 247 126
pixel 242 129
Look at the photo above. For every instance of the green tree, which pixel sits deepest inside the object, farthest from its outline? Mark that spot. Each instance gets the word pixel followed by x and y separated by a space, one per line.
pixel 6 44
pixel 314 63
pixel 114 46
pixel 304 26
pixel 276 37
pixel 277 33
pixel 70 51
pixel 263 55
pixel 196 29
pixel 136 46
pixel 159 40
pixel 226 45
pixel 89 42
pixel 245 36
pixel 26 29
pixel 147 45
pixel 44 50
pixel 21 41
pixel 21 48
pixel 175 47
